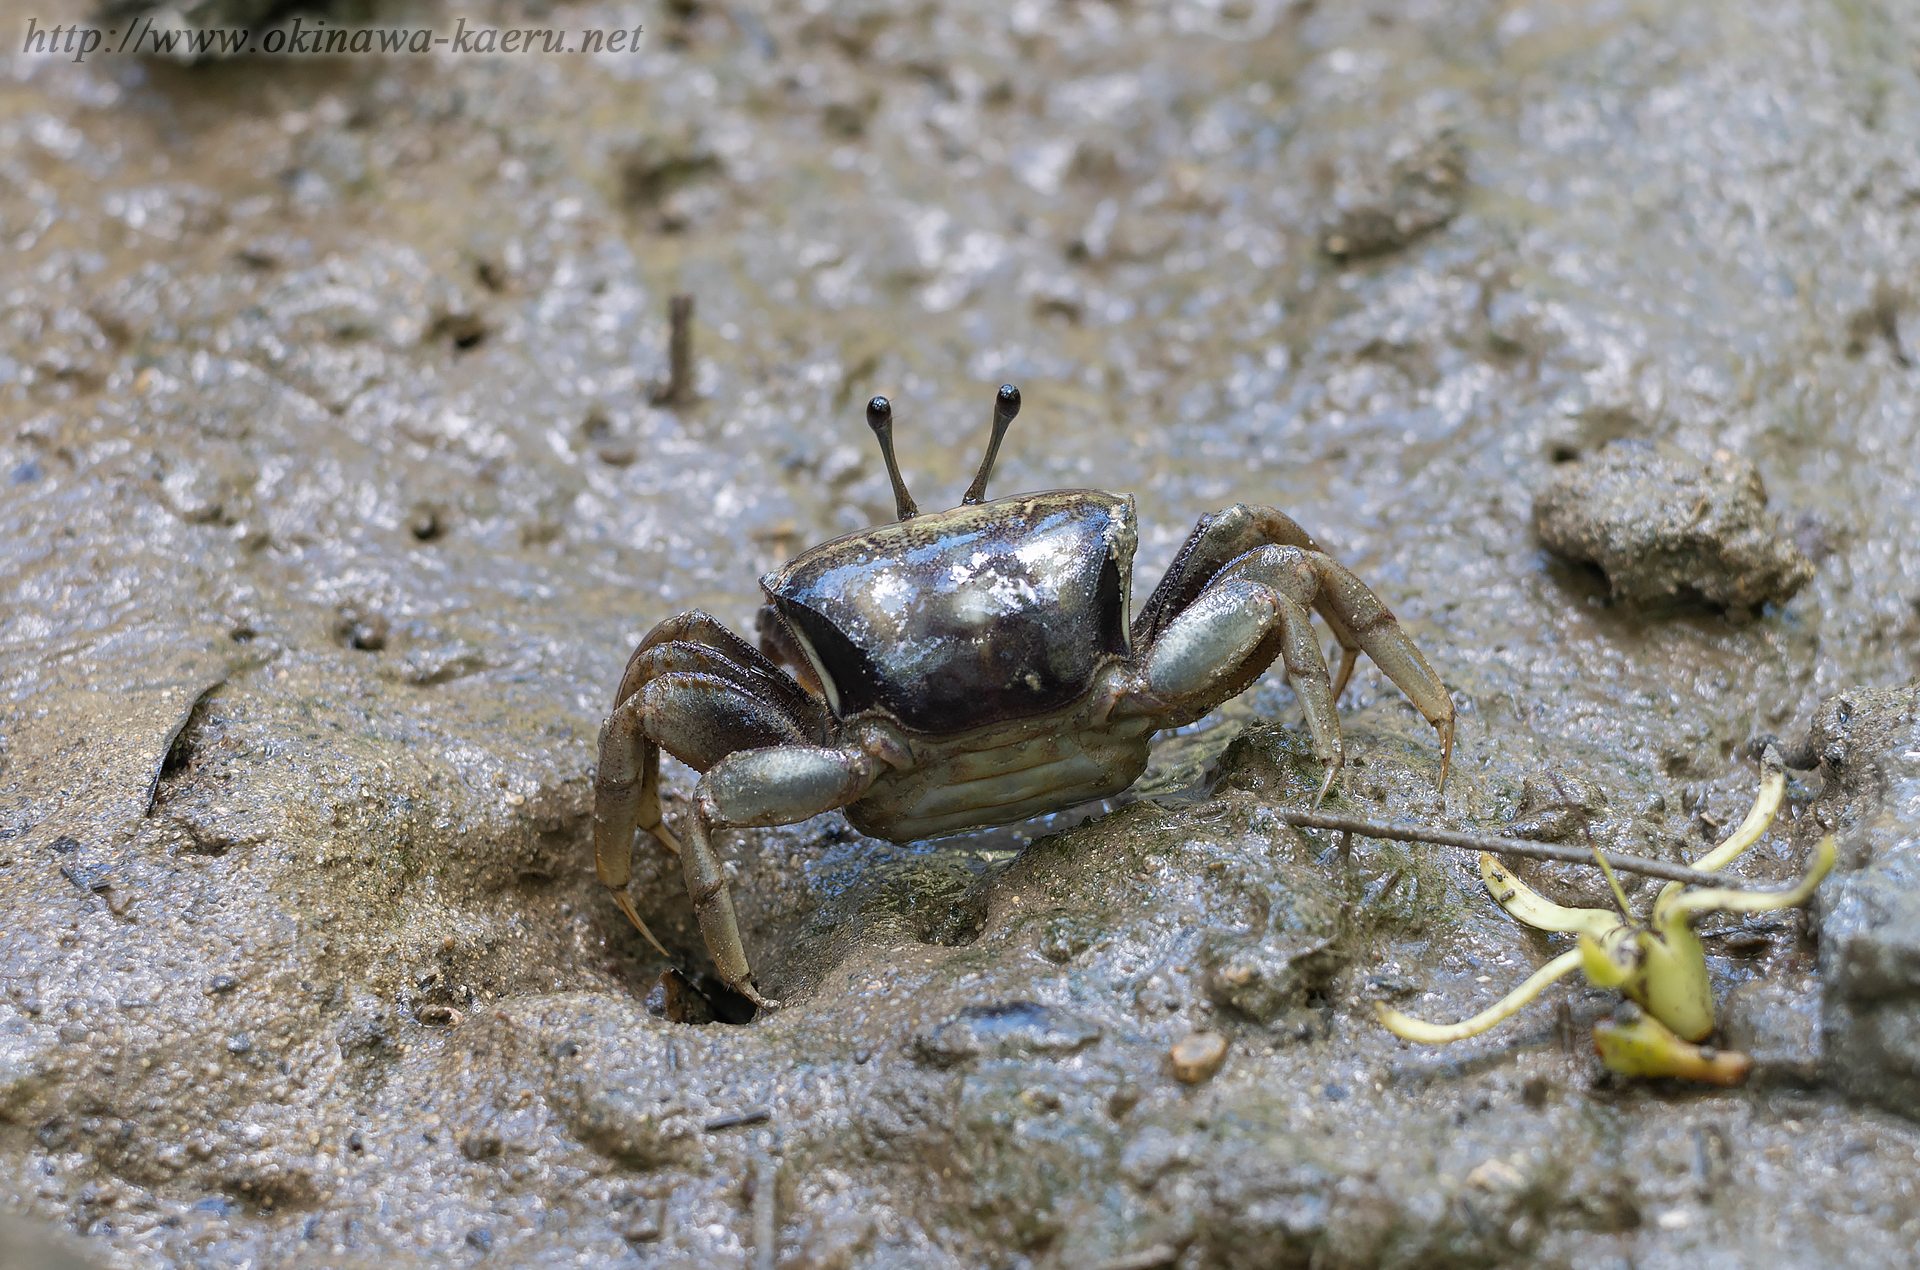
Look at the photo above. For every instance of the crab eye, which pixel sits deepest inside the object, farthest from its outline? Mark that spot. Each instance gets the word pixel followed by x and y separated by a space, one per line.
pixel 1006 404
pixel 880 419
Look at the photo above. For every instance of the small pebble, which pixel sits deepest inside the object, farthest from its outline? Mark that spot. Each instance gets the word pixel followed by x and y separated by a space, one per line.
pixel 674 998
pixel 1198 1055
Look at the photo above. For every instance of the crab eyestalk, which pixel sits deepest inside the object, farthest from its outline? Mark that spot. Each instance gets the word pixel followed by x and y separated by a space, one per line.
pixel 1006 404
pixel 880 419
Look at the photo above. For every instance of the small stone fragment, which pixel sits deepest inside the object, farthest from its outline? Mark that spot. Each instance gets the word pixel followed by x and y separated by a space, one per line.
pixel 1495 1174
pixel 361 628
pixel 676 1000
pixel 1420 192
pixel 1666 527
pixel 1197 1056
pixel 1554 807
pixel 1264 979
pixel 481 1146
pixel 643 1225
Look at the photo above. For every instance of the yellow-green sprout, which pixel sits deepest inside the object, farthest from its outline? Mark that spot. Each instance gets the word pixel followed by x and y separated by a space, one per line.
pixel 1658 963
pixel 1641 1046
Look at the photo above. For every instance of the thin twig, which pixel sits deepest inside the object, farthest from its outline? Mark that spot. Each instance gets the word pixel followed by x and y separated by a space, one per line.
pixel 678 390
pixel 734 1119
pixel 1502 846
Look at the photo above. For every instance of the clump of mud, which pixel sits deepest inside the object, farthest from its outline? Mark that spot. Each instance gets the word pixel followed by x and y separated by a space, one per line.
pixel 1418 192
pixel 1667 528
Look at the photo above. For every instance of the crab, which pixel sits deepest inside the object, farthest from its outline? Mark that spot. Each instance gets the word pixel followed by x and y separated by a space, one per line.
pixel 971 667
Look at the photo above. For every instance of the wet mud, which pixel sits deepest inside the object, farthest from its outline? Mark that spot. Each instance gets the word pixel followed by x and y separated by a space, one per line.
pixel 342 464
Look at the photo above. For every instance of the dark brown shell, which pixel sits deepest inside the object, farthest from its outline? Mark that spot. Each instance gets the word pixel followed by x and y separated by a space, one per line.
pixel 962 618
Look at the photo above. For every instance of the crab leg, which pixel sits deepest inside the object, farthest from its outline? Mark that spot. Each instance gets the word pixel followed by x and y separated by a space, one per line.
pixel 1313 578
pixel 1218 540
pixel 1225 639
pixel 695 631
pixel 626 795
pixel 690 698
pixel 775 786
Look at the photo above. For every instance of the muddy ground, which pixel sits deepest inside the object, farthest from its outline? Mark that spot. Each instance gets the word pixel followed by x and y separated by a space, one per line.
pixel 335 492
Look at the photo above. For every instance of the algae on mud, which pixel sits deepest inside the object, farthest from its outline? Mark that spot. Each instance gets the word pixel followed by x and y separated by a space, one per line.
pixel 295 348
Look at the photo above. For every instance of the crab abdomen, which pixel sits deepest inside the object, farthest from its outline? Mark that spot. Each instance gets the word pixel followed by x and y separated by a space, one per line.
pixel 1010 782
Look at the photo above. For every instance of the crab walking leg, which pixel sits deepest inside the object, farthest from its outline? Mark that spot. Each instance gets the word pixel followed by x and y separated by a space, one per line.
pixel 1210 650
pixel 695 631
pixel 1413 1029
pixel 1217 540
pixel 1309 577
pixel 775 786
pixel 626 794
pixel 697 717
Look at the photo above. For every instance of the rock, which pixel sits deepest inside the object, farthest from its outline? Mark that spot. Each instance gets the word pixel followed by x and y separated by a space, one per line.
pixel 1868 742
pixel 1555 806
pixel 1776 1023
pixel 674 998
pixel 1667 528
pixel 1495 1174
pixel 1861 740
pixel 1420 192
pixel 1197 1056
pixel 1265 978
pixel 1870 957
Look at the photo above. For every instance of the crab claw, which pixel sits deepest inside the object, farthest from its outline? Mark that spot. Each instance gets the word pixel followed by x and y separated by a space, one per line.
pixel 1644 1047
